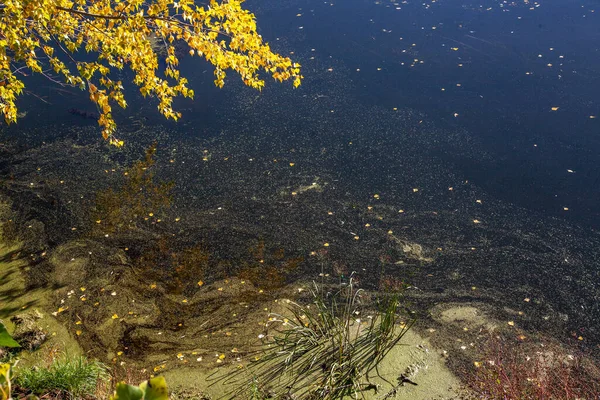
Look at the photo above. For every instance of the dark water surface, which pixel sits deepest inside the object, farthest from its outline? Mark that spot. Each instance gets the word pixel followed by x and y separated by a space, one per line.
pixel 436 115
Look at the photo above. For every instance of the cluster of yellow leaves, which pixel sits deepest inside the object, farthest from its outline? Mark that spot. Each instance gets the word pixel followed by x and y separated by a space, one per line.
pixel 133 34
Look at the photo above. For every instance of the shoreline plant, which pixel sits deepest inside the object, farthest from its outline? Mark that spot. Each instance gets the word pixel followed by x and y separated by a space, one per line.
pixel 73 377
pixel 327 349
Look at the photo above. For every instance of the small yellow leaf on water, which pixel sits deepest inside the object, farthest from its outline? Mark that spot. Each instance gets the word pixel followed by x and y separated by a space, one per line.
pixel 477 364
pixel 222 356
pixel 527 299
pixel 115 316
pixel 476 221
pixel 153 286
pixel 326 244
pixel 511 323
pixel 554 108
pixel 580 338
pixel 78 333
pixel 220 289
pixel 566 208
pixel 415 190
pixel 292 164
pixel 376 196
pixel 184 301
pixel 78 323
pixel 119 353
pixel 200 283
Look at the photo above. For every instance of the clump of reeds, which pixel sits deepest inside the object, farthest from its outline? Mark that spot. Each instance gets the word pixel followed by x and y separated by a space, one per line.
pixel 328 348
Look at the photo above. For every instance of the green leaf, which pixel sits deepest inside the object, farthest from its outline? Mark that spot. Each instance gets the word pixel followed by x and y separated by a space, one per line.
pixel 155 389
pixel 127 392
pixel 5 339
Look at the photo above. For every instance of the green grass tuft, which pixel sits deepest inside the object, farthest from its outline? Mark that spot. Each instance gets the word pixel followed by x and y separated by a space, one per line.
pixel 75 378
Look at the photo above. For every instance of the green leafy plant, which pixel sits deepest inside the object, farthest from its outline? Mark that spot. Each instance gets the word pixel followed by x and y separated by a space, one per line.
pixel 5 339
pixel 75 377
pixel 152 389
pixel 326 349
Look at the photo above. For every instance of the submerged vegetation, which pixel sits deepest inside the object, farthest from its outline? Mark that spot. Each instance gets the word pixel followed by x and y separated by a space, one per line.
pixel 268 269
pixel 139 199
